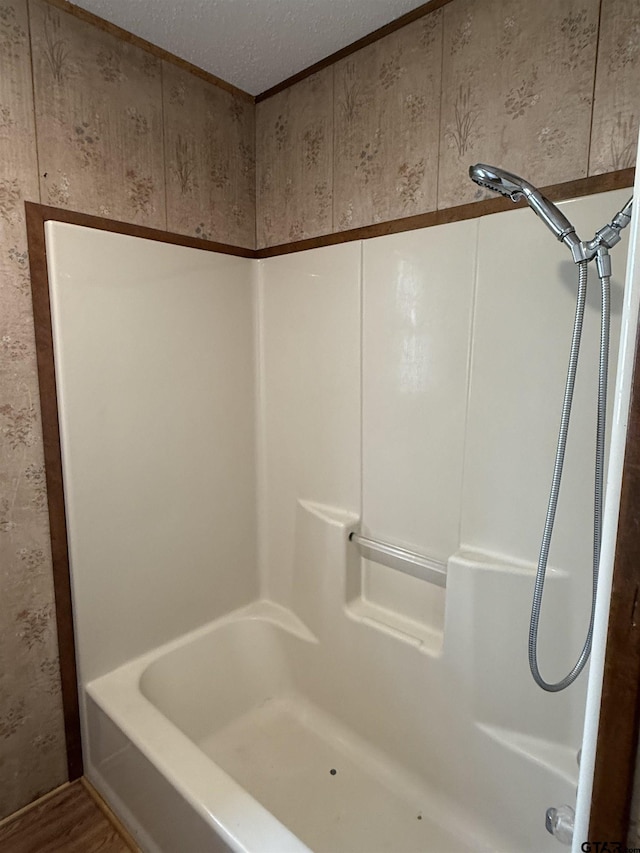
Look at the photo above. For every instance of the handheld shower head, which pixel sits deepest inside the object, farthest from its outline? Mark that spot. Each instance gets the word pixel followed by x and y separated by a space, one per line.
pixel 513 187
pixel 497 180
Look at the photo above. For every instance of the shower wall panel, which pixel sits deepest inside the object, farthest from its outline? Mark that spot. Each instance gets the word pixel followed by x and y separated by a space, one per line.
pixel 525 304
pixel 155 375
pixel 466 333
pixel 464 355
pixel 417 308
pixel 309 350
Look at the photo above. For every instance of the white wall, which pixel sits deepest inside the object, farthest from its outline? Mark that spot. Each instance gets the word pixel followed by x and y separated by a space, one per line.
pixel 414 380
pixel 525 305
pixel 418 303
pixel 466 330
pixel 155 373
pixel 481 308
pixel 309 352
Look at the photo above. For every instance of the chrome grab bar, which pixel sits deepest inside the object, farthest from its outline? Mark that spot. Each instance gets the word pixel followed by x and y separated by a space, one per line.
pixel 401 559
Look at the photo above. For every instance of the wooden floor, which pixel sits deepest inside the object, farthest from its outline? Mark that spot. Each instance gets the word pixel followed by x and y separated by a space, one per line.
pixel 71 820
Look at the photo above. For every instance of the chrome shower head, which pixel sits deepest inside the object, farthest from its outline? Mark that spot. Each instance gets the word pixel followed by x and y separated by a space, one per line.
pixel 513 187
pixel 497 180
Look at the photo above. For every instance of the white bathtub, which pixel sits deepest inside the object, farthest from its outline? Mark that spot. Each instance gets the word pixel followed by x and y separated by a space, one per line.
pixel 224 716
pixel 227 738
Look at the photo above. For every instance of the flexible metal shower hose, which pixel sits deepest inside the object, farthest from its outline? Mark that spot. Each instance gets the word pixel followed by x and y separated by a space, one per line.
pixel 557 477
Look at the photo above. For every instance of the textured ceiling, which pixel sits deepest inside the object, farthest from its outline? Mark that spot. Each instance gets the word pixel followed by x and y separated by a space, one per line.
pixel 253 44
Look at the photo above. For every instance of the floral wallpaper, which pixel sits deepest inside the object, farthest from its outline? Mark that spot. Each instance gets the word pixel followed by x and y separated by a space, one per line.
pixel 517 86
pixel 101 137
pixel 98 119
pixel 210 159
pixel 504 81
pixel 295 162
pixel 32 758
pixel 616 109
pixel 387 101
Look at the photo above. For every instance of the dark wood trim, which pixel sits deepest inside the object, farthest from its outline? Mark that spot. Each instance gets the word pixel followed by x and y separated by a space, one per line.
pixel 55 493
pixel 615 766
pixel 36 216
pixel 376 35
pixel 161 53
pixel 556 192
pixel 42 212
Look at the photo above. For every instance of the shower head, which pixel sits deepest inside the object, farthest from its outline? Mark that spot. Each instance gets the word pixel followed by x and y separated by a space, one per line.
pixel 515 188
pixel 508 185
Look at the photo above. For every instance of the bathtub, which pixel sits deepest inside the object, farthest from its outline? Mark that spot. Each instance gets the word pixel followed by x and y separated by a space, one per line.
pixel 258 764
pixel 249 734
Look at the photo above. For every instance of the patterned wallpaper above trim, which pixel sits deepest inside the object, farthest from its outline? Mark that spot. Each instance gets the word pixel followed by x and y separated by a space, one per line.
pixel 294 132
pixel 616 109
pixel 387 113
pixel 495 204
pixel 210 159
pixel 516 90
pixel 99 119
pixel 18 178
pixel 32 756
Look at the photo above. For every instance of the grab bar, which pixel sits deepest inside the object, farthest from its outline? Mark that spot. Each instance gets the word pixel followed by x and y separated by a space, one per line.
pixel 401 559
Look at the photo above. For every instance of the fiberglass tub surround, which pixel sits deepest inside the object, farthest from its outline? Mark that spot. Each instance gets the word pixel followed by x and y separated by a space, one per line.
pixel 255 414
